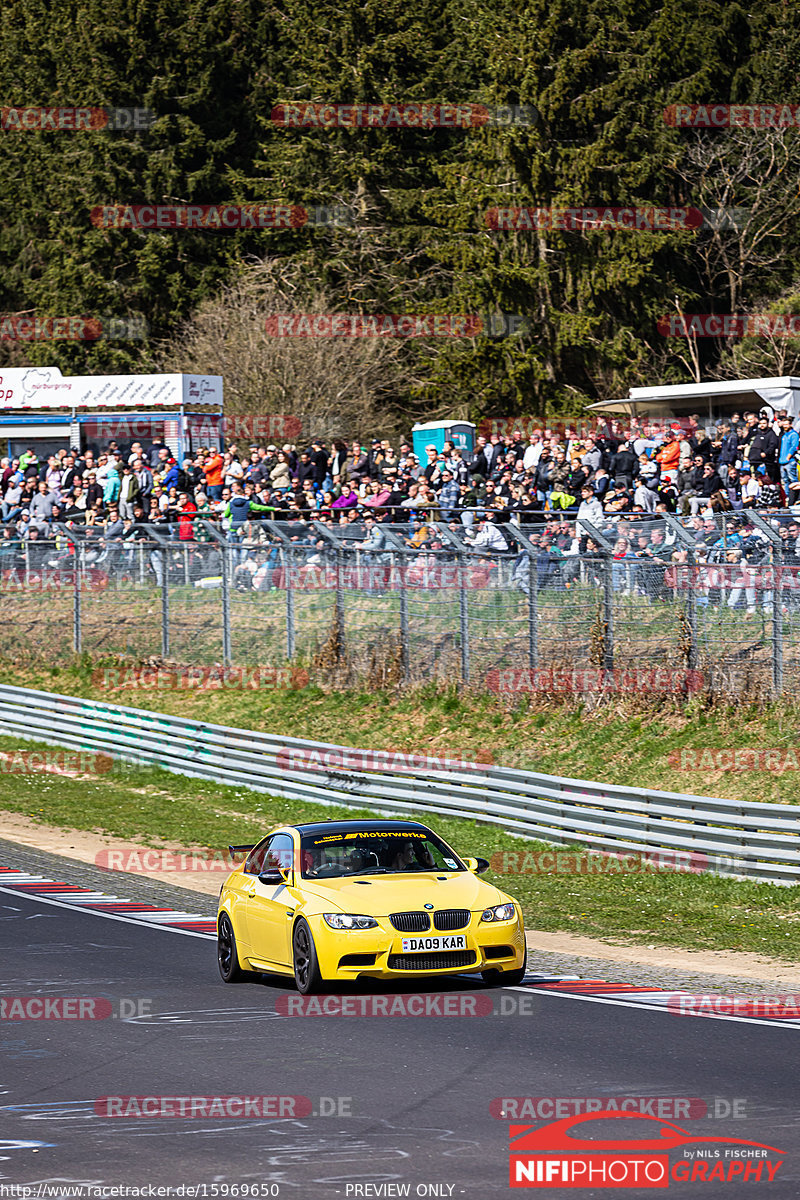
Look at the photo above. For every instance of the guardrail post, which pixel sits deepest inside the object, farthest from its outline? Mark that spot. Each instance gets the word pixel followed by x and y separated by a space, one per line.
pixel 288 573
pixel 164 604
pixel 463 606
pixel 226 604
pixel 76 611
pixel 533 613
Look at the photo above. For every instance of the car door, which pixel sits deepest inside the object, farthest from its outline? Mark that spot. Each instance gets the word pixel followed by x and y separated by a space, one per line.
pixel 270 906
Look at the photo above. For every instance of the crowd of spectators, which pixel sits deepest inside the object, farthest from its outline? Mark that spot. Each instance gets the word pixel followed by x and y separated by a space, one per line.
pixel 122 492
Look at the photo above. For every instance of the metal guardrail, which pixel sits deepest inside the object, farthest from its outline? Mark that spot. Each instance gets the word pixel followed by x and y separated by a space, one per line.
pixel 755 840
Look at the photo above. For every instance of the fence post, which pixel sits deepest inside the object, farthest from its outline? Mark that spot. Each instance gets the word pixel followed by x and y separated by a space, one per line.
pixel 226 605
pixel 533 613
pixel 340 600
pixel 608 612
pixel 76 613
pixel 405 649
pixel 777 620
pixel 288 573
pixel 691 604
pixel 164 603
pixel 463 605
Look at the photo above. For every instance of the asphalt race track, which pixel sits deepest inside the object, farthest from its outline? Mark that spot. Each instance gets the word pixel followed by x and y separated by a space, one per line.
pixel 410 1098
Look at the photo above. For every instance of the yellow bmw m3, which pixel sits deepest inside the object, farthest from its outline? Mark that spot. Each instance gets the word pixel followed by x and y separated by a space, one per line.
pixel 383 899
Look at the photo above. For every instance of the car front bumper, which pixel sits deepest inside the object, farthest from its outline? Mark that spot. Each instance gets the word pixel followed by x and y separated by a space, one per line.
pixel 379 954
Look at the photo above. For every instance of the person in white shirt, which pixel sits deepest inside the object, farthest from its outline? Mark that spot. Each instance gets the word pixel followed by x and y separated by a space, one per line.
pixel 232 470
pixel 530 459
pixel 488 537
pixel 751 488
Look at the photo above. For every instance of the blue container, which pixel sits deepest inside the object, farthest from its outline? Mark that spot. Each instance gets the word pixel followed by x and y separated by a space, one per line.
pixel 436 433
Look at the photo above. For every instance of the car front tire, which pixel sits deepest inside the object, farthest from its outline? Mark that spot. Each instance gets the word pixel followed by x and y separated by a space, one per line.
pixel 307 976
pixel 227 954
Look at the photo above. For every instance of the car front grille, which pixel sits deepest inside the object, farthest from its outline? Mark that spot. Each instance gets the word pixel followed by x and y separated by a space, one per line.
pixel 431 962
pixel 410 922
pixel 451 918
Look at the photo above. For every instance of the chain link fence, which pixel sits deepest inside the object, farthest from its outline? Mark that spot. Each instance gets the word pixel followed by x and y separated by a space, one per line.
pixel 645 602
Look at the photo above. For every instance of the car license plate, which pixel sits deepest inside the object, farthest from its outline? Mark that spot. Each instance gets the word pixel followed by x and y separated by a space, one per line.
pixel 455 941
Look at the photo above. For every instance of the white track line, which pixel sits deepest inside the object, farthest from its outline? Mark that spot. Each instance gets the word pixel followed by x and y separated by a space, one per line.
pixel 94 912
pixel 653 1009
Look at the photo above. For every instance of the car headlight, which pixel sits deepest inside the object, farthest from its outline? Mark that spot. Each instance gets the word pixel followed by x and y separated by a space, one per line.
pixel 500 912
pixel 349 921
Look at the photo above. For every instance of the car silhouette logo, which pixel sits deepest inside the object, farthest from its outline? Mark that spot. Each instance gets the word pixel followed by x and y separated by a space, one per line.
pixel 556 1136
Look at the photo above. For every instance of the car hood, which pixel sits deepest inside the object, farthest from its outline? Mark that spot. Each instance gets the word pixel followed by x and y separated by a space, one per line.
pixel 379 895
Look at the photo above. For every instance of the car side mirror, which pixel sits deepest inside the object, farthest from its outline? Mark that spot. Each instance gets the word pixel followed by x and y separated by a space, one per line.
pixel 272 876
pixel 477 865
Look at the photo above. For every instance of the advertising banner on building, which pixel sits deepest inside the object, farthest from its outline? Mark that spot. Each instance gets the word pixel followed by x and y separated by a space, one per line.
pixel 38 388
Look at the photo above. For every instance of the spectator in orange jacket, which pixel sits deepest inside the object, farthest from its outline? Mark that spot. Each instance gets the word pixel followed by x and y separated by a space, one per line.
pixel 669 456
pixel 212 469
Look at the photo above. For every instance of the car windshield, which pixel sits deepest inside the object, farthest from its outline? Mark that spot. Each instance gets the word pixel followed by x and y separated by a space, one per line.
pixel 374 852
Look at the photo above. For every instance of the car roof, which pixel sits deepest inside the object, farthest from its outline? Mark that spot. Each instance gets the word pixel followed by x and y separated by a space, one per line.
pixel 331 826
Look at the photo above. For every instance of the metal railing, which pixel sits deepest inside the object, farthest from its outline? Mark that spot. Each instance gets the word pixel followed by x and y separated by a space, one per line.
pixel 717 597
pixel 756 840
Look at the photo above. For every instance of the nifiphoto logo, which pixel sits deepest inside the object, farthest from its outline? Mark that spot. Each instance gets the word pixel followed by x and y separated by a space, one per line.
pixel 568 1153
